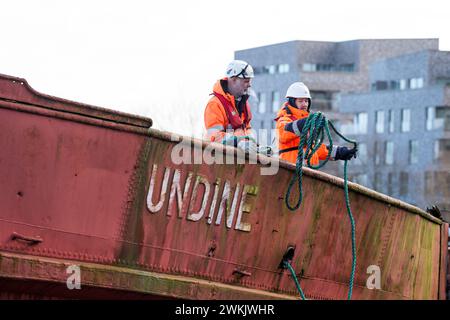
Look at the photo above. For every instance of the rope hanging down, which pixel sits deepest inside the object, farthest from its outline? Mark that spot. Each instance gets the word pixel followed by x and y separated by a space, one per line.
pixel 311 138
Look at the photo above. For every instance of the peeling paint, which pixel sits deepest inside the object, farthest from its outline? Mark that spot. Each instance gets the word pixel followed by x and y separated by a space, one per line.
pixel 138 226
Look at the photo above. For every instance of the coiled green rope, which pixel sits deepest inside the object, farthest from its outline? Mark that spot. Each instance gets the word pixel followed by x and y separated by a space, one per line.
pixel 312 135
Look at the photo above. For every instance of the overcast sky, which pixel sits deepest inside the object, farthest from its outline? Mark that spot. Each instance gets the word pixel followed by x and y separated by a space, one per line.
pixel 160 59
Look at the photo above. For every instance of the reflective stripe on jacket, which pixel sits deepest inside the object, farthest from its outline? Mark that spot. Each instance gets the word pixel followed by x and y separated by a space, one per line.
pixel 289 140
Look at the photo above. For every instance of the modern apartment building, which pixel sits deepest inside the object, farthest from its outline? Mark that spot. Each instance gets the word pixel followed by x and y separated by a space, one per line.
pixel 327 68
pixel 403 126
pixel 391 95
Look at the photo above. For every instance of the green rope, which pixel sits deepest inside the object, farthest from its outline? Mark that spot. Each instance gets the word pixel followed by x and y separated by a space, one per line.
pixel 313 136
pixel 352 221
pixel 288 265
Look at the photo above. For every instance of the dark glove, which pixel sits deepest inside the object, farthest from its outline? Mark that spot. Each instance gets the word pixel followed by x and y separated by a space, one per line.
pixel 344 153
pixel 296 126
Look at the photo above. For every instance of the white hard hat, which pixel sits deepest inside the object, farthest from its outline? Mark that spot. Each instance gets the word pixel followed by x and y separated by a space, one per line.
pixel 240 69
pixel 298 90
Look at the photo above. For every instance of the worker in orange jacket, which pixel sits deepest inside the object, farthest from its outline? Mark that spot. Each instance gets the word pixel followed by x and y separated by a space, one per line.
pixel 290 121
pixel 227 115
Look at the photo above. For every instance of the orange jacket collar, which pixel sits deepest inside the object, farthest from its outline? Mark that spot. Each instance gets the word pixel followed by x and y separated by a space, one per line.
pixel 297 113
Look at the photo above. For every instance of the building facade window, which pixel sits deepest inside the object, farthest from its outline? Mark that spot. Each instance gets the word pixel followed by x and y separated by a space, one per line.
pixel 376 153
pixel 403 84
pixel 390 183
pixel 377 181
pixel 413 151
pixel 346 127
pixel 394 85
pixel 283 68
pixel 379 121
pixel 270 69
pixel 323 100
pixel 404 183
pixel 391 120
pixel 416 83
pixel 261 102
pixel 436 150
pixel 328 67
pixel 420 82
pixel 309 67
pixel 262 124
pixel 443 117
pixel 258 70
pixel 389 152
pixel 325 67
pixel 406 120
pixel 441 183
pixel 428 183
pixel 438 117
pixel 360 123
pixel 430 116
pixel 380 85
pixel 442 150
pixel 362 152
pixel 347 67
pixel 275 101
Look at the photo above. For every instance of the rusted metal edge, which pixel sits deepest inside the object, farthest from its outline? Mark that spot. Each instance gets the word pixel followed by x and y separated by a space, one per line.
pixel 18 90
pixel 198 143
pixel 26 267
pixel 443 262
pixel 267 161
pixel 80 118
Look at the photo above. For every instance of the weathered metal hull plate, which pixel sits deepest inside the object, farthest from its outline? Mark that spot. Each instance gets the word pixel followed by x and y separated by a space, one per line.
pixel 84 189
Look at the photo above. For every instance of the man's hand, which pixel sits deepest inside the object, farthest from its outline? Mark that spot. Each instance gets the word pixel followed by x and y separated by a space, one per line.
pixel 265 150
pixel 248 146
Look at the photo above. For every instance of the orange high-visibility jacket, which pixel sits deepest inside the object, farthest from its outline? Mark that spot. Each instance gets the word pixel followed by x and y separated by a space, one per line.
pixel 287 139
pixel 216 120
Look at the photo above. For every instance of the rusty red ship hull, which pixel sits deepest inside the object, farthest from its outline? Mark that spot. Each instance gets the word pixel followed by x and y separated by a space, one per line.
pixel 98 189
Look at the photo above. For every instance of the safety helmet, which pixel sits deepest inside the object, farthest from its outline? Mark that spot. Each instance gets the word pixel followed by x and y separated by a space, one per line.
pixel 298 90
pixel 240 69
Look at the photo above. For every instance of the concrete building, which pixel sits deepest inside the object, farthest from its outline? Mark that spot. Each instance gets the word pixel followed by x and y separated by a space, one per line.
pixel 403 126
pixel 327 68
pixel 370 88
